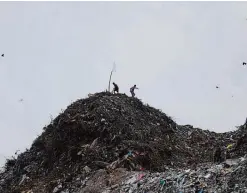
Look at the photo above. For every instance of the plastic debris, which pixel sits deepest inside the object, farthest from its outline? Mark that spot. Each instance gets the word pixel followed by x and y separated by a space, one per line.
pixel 87 169
pixel 162 182
pixel 140 176
pixel 57 189
pixel 229 146
pixel 130 153
pixel 207 176
pixel 187 171
pixel 24 177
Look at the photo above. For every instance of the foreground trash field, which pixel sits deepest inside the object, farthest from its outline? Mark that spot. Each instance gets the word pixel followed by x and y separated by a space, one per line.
pixel 115 143
pixel 205 178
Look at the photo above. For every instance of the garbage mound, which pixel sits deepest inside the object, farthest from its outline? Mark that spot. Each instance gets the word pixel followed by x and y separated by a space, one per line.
pixel 93 133
pixel 107 134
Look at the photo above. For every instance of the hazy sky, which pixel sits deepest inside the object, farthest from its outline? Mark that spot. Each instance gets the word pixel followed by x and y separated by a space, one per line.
pixel 175 52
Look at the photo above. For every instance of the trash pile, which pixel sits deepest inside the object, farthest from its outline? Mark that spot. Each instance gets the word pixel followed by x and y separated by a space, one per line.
pixel 106 140
pixel 206 177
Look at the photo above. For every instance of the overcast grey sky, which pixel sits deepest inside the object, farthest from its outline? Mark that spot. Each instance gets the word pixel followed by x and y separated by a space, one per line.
pixel 176 53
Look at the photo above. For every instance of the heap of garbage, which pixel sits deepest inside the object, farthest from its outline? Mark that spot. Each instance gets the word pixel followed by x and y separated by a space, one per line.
pixel 115 143
pixel 207 177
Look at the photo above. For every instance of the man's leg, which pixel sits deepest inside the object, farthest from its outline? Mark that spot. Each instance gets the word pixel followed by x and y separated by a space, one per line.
pixel 133 94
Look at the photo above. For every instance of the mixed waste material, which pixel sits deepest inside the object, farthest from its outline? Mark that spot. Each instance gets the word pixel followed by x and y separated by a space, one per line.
pixel 112 143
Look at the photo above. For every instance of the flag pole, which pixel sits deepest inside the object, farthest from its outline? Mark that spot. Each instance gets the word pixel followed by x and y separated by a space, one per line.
pixel 109 86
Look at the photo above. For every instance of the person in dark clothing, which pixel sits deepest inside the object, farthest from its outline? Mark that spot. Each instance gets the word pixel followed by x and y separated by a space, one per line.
pixel 132 89
pixel 116 88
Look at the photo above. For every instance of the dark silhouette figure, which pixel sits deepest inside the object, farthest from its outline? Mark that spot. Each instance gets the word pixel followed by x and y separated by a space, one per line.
pixel 116 88
pixel 132 90
pixel 2 55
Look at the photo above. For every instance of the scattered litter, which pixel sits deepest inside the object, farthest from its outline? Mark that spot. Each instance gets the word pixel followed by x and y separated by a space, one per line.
pixel 57 189
pixel 87 169
pixel 207 176
pixel 229 146
pixel 24 177
pixel 187 171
